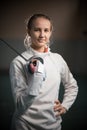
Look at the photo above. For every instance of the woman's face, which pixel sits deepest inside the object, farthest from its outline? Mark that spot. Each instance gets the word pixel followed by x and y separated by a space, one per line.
pixel 40 32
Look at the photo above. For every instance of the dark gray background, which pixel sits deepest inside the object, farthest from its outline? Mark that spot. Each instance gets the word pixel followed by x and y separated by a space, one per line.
pixel 69 39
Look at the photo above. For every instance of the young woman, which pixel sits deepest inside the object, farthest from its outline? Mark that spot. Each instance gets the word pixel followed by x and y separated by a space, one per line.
pixel 36 82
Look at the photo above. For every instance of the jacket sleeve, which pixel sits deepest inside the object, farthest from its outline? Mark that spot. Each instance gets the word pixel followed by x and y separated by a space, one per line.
pixel 21 85
pixel 70 86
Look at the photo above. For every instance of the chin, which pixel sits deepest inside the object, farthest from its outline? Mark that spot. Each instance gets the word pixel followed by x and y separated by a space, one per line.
pixel 41 44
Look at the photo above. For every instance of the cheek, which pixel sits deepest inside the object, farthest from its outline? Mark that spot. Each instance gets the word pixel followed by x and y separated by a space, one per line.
pixel 33 36
pixel 48 36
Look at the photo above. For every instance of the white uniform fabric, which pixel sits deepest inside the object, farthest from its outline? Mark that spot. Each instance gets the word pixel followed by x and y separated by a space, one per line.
pixel 37 111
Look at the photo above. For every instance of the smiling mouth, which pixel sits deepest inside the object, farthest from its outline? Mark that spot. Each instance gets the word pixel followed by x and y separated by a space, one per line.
pixel 41 40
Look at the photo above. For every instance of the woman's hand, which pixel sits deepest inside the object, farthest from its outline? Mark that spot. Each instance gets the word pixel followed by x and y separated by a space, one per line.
pixel 58 108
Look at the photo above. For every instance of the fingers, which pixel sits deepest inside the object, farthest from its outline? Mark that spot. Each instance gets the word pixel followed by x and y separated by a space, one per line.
pixel 58 108
pixel 32 66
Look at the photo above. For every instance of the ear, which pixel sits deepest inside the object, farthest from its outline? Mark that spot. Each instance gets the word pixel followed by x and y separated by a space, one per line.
pixel 28 31
pixel 51 33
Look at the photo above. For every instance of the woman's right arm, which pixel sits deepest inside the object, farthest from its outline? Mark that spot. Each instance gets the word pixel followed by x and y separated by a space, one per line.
pixel 19 86
pixel 25 86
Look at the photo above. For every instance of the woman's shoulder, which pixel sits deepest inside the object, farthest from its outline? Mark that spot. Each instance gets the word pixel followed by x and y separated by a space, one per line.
pixel 21 58
pixel 57 56
pixel 59 60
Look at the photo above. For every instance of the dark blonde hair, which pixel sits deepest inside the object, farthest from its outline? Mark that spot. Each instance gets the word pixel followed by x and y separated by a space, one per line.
pixel 34 17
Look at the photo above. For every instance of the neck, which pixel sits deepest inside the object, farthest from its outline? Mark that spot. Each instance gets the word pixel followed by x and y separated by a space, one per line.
pixel 40 49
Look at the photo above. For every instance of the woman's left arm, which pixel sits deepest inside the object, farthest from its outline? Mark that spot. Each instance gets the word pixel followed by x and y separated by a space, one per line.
pixel 70 86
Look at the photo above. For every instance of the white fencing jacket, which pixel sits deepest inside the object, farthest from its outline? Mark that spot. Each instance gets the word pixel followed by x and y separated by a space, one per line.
pixel 35 105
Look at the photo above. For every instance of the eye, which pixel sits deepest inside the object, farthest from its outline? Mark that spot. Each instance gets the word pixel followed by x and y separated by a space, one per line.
pixel 36 29
pixel 46 30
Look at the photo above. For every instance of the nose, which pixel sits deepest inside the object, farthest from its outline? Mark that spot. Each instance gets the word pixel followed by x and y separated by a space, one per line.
pixel 42 33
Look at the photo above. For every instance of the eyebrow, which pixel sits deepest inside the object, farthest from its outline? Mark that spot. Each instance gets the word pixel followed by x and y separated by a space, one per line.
pixel 40 28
